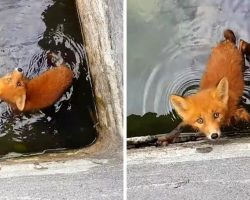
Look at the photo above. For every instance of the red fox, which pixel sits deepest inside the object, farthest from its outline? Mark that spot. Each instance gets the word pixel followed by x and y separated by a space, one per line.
pixel 38 93
pixel 216 104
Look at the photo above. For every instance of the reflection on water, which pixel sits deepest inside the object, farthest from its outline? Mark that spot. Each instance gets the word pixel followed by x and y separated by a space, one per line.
pixel 29 30
pixel 168 46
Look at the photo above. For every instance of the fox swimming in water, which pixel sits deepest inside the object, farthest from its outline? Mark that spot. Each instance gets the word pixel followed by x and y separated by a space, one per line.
pixel 38 93
pixel 216 104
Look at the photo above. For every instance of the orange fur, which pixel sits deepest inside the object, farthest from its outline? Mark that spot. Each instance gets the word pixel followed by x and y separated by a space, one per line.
pixel 221 87
pixel 37 93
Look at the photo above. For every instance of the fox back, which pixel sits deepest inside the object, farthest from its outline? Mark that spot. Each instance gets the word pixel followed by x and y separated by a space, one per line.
pixel 225 61
pixel 37 93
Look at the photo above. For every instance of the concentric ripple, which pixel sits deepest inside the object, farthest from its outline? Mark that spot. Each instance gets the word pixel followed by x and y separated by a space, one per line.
pixel 184 84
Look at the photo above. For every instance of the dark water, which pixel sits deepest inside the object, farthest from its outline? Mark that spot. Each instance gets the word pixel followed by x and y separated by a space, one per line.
pixel 29 29
pixel 169 42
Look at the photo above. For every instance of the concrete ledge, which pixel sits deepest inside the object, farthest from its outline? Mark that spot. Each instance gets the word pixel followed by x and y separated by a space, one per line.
pixel 76 179
pixel 192 151
pixel 192 170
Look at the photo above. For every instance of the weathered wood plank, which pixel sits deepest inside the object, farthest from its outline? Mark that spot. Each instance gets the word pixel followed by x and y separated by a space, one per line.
pixel 102 29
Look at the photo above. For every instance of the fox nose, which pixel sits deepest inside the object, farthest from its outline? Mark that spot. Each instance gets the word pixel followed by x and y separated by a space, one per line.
pixel 19 69
pixel 214 136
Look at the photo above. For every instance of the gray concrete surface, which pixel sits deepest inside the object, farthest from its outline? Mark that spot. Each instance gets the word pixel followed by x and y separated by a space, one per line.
pixel 195 171
pixel 79 179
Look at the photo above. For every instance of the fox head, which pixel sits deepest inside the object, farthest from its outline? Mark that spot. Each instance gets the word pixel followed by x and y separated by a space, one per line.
pixel 205 111
pixel 13 88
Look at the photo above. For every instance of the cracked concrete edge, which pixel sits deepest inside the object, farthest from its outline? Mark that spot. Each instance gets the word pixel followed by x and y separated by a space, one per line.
pixel 53 167
pixel 191 151
pixel 58 163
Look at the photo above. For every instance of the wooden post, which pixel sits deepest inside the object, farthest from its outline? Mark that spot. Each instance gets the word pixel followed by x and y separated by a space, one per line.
pixel 102 29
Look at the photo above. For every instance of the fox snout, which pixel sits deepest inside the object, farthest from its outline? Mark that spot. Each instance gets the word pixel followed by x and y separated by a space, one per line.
pixel 210 130
pixel 19 69
pixel 213 135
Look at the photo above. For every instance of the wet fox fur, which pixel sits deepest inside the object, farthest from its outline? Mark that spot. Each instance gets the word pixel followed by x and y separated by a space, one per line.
pixel 216 104
pixel 38 93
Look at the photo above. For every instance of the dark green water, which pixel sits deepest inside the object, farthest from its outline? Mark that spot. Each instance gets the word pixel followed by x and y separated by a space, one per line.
pixel 29 29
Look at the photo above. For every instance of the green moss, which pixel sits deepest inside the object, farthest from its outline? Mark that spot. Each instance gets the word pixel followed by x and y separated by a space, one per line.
pixel 20 148
pixel 150 124
pixel 100 102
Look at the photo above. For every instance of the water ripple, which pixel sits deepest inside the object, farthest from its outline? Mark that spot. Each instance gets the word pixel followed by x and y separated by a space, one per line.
pixel 184 84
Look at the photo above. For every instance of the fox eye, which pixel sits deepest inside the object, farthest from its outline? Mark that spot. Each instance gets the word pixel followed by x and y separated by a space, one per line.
pixel 199 120
pixel 216 115
pixel 18 84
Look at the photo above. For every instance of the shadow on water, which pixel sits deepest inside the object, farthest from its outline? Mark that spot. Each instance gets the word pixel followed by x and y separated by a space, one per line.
pixel 169 43
pixel 68 124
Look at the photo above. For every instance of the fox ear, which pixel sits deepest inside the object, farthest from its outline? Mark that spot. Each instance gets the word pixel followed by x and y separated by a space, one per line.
pixel 180 104
pixel 222 90
pixel 20 102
